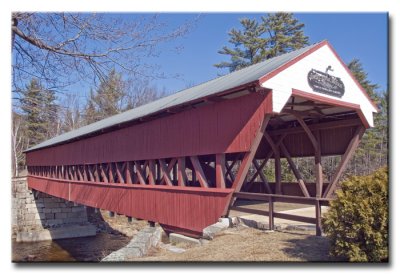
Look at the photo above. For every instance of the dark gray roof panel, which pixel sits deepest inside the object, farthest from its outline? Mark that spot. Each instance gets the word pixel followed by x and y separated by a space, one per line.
pixel 212 87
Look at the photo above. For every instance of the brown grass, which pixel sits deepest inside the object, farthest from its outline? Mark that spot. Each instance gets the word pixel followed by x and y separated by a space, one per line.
pixel 248 244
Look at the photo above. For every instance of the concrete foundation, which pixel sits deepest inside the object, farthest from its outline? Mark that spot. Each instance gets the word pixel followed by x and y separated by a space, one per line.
pixel 178 238
pixel 37 217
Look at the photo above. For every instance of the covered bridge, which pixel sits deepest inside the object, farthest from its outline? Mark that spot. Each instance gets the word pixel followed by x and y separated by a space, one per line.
pixel 181 161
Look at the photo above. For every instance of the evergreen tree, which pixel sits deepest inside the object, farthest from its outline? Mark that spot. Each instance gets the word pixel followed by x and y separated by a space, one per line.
pixel 276 34
pixel 108 99
pixel 285 34
pixel 361 76
pixel 50 113
pixel 33 111
pixel 90 115
pixel 249 46
pixel 372 151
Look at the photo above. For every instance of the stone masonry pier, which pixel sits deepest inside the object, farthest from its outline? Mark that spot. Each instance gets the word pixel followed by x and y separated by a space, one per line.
pixel 38 216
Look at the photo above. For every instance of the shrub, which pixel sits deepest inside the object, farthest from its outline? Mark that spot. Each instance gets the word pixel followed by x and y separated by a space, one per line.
pixel 357 221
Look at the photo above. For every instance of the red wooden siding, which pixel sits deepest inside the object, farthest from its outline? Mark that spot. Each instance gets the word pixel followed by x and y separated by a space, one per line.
pixel 189 209
pixel 227 126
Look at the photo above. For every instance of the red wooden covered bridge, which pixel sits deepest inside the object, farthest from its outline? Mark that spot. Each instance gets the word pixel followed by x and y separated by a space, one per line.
pixel 183 160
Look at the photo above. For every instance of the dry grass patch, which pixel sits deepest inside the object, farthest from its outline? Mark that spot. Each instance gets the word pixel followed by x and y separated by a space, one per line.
pixel 248 244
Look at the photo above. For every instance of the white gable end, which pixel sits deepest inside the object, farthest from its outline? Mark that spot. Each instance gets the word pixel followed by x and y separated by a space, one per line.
pixel 296 77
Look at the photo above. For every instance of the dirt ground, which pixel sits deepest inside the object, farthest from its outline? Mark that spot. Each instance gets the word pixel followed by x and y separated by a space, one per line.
pixel 244 244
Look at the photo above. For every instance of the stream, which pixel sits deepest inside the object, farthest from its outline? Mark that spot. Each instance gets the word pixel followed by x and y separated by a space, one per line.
pixel 85 249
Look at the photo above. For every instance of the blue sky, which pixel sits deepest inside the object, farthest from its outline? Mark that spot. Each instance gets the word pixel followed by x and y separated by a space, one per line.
pixel 353 35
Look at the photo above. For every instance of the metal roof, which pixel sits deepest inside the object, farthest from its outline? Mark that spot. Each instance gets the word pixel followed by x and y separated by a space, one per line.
pixel 213 87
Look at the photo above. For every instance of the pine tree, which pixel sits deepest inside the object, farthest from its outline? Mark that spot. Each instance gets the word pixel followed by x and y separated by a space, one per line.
pixel 361 75
pixel 108 99
pixel 50 113
pixel 285 34
pixel 276 34
pixel 248 46
pixel 32 109
pixel 372 152
pixel 90 115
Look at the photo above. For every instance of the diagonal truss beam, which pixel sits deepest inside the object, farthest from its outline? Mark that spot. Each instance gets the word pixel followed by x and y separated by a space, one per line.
pixel 119 174
pixel 259 167
pixel 140 173
pixel 351 148
pixel 199 171
pixel 249 156
pixel 165 171
pixel 262 176
pixel 315 141
pixel 128 173
pixel 295 170
pixel 278 171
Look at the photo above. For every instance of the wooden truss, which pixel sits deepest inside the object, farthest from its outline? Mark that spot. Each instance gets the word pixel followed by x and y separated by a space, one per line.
pixel 227 171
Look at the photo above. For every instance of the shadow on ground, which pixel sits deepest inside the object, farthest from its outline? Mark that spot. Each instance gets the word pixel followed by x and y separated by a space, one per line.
pixel 311 249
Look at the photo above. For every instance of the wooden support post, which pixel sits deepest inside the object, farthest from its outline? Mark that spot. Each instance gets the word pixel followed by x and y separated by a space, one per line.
pixel 181 171
pixel 295 170
pixel 277 157
pixel 318 229
pixel 152 172
pixel 351 148
pixel 271 213
pixel 278 174
pixel 318 168
pixel 220 170
pixel 199 171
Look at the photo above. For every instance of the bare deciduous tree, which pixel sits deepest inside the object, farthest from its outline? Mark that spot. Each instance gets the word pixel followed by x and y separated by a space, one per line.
pixel 62 48
pixel 70 114
pixel 18 143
